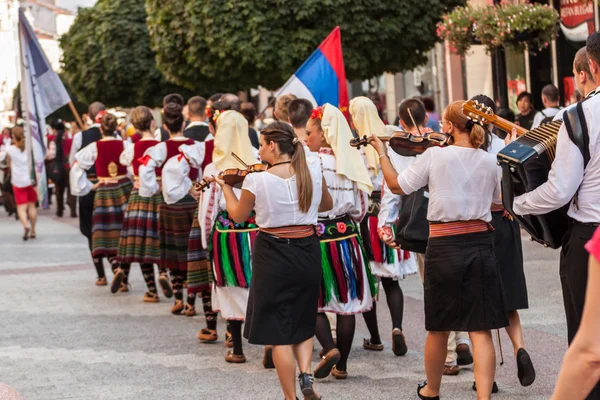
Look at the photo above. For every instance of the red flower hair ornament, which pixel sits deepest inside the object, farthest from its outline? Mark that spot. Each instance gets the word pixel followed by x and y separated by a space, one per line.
pixel 317 113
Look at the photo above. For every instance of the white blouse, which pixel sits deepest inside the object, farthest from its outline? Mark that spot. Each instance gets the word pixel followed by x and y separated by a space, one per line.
pixel 84 160
pixel 19 169
pixel 347 198
pixel 276 203
pixel 463 183
pixel 149 185
pixel 175 180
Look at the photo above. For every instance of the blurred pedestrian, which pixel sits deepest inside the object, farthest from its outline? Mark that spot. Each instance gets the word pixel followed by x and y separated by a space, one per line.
pixel 526 111
pixel 24 191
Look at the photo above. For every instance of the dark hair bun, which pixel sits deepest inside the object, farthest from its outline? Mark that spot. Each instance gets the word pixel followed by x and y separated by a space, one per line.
pixel 173 117
pixel 108 124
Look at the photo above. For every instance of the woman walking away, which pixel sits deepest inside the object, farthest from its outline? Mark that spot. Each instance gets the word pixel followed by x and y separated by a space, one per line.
pixel 463 289
pixel 139 236
pixel 110 199
pixel 347 287
pixel 286 262
pixel 24 191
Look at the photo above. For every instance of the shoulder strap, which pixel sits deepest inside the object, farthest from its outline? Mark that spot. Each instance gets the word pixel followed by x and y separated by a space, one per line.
pixel 578 131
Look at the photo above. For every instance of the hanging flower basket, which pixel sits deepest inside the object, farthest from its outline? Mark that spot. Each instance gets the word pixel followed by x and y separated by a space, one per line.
pixel 519 26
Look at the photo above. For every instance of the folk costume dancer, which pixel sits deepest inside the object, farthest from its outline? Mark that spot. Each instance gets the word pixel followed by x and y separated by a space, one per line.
pixel 463 290
pixel 388 264
pixel 286 262
pixel 140 241
pixel 347 286
pixel 229 243
pixel 574 179
pixel 197 155
pixel 508 251
pixel 111 194
pixel 86 203
pixel 175 217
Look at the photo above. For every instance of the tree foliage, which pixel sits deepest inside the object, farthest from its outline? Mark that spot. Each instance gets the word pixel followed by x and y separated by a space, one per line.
pixel 107 56
pixel 226 44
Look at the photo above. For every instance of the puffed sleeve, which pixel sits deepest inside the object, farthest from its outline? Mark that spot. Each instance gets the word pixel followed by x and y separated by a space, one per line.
pixel 84 160
pixel 126 157
pixel 153 158
pixel 175 180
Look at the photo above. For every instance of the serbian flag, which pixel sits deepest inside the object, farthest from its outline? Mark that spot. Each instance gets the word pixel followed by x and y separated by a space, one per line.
pixel 322 78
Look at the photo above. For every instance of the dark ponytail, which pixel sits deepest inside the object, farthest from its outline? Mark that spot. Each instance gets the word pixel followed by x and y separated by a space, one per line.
pixel 288 143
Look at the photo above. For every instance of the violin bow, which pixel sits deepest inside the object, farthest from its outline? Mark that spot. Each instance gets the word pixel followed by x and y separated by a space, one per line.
pixel 413 121
pixel 239 159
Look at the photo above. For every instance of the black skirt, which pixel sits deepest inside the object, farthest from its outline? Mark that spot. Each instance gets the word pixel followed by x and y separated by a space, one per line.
pixel 509 258
pixel 463 290
pixel 284 290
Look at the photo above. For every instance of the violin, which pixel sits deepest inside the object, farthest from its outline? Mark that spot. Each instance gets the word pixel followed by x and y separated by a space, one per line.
pixel 233 176
pixel 407 144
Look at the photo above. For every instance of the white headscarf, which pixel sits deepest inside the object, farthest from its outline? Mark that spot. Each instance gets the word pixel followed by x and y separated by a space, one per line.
pixel 348 160
pixel 232 137
pixel 367 122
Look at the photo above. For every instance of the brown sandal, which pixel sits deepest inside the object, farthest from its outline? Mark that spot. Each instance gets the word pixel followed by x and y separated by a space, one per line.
pixel 151 297
pixel 337 374
pixel 235 358
pixel 177 307
pixel 189 311
pixel 367 345
pixel 399 346
pixel 451 370
pixel 324 367
pixel 101 282
pixel 208 335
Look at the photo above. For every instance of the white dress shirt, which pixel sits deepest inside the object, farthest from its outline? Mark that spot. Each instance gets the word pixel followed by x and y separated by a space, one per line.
pixel 545 113
pixel 567 174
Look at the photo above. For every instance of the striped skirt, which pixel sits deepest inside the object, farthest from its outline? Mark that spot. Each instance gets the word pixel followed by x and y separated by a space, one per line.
pixel 139 236
pixel 110 203
pixel 175 222
pixel 231 254
pixel 385 261
pixel 347 286
pixel 199 268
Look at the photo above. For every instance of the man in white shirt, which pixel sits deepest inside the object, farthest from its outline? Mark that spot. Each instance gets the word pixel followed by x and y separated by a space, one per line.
pixel 584 81
pixel 550 99
pixel 569 182
pixel 197 129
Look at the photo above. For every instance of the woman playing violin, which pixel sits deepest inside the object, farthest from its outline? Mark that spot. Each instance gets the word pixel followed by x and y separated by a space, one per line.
pixel 462 284
pixel 286 260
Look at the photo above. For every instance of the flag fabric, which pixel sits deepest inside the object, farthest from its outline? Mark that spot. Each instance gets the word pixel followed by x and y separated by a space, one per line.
pixel 322 77
pixel 42 93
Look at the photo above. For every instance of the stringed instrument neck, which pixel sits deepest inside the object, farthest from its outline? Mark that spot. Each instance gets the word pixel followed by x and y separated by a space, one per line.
pixel 485 115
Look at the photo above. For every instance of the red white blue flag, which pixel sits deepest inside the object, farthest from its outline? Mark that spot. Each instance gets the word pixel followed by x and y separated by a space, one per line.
pixel 322 78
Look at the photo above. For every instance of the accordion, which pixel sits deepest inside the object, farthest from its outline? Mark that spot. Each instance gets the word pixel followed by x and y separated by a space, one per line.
pixel 525 165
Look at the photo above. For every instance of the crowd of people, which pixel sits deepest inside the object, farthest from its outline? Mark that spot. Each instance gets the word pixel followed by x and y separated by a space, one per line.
pixel 289 232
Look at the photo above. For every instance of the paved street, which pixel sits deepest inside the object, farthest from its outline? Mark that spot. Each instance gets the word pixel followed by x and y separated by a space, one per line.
pixel 61 337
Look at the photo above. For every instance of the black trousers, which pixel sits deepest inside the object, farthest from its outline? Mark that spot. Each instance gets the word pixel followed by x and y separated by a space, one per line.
pixel 61 186
pixel 573 278
pixel 86 211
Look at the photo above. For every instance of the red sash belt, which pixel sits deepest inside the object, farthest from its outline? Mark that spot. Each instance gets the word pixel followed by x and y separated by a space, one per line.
pixel 439 229
pixel 291 232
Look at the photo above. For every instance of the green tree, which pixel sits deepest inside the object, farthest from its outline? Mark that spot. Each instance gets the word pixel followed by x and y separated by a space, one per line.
pixel 237 44
pixel 107 56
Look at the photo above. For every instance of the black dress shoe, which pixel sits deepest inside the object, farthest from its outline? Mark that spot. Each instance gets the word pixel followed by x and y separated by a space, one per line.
pixel 525 370
pixel 421 386
pixel 494 387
